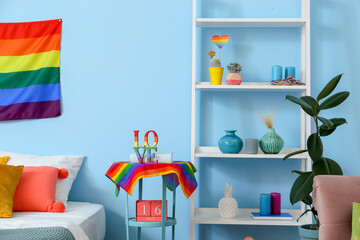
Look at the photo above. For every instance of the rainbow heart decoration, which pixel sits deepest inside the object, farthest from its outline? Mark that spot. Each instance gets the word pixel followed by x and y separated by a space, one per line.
pixel 220 41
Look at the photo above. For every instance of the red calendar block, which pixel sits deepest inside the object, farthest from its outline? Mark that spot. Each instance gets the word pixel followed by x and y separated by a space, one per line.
pixel 143 208
pixel 149 211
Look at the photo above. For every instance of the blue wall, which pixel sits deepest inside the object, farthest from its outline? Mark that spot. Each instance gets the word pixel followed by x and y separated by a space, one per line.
pixel 126 65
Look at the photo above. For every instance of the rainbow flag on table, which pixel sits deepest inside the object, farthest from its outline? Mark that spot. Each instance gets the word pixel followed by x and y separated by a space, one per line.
pixel 30 70
pixel 126 175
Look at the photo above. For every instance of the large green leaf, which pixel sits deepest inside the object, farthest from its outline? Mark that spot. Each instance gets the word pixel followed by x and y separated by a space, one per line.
pixel 304 105
pixel 338 121
pixel 329 87
pixel 315 147
pixel 334 100
pixel 297 171
pixel 294 153
pixel 326 166
pixel 312 102
pixel 302 187
pixel 326 131
pixel 308 200
pixel 326 121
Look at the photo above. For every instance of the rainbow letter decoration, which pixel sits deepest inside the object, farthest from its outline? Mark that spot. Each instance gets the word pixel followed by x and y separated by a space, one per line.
pixel 30 70
pixel 146 138
pixel 136 142
pixel 146 146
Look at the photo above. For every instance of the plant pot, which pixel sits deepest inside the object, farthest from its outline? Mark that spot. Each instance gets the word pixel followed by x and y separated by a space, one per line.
pixel 271 142
pixel 216 74
pixel 308 232
pixel 233 79
pixel 230 143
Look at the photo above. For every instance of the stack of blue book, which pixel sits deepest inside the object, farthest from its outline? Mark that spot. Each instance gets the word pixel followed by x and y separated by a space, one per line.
pixel 281 216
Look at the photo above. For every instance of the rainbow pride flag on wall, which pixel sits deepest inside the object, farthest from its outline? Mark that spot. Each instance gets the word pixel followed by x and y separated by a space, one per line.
pixel 30 70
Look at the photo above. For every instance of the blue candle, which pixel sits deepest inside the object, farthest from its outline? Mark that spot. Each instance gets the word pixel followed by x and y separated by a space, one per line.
pixel 276 72
pixel 265 204
pixel 289 71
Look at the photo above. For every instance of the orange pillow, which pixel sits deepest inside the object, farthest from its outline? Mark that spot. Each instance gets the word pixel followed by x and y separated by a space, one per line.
pixel 4 159
pixel 36 190
pixel 9 179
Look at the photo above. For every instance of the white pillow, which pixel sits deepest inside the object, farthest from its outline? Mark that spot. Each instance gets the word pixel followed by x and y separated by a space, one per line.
pixel 70 163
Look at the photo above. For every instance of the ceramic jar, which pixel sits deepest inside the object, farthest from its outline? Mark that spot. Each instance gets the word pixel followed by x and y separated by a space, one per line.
pixel 233 79
pixel 271 142
pixel 228 206
pixel 230 143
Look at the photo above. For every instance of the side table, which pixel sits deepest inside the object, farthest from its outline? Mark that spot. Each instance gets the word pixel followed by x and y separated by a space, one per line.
pixel 125 175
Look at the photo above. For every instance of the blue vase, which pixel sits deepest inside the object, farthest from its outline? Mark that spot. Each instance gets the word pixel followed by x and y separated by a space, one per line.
pixel 230 143
pixel 271 142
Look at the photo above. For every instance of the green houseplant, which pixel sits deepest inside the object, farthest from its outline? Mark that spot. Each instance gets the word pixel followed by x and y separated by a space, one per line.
pixel 321 165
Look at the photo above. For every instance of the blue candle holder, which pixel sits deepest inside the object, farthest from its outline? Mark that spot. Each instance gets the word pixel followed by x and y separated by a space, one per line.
pixel 289 71
pixel 265 204
pixel 276 72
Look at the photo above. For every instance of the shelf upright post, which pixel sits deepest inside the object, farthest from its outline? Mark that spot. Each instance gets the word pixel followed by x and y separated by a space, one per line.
pixel 193 117
pixel 303 93
pixel 308 83
pixel 305 61
pixel 305 76
pixel 308 66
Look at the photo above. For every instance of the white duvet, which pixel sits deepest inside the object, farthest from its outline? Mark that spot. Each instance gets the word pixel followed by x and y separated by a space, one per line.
pixel 86 221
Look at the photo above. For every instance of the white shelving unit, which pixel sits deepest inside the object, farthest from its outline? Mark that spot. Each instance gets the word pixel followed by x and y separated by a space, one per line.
pixel 211 215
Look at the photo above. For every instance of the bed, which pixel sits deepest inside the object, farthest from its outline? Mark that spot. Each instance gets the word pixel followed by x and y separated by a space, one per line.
pixel 80 221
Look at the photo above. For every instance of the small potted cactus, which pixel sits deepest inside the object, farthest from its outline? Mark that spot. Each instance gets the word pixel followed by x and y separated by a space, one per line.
pixel 233 77
pixel 215 69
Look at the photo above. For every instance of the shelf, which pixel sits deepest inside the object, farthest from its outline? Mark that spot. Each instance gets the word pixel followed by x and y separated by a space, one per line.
pixel 250 22
pixel 212 216
pixel 214 152
pixel 252 86
pixel 170 222
pixel 247 86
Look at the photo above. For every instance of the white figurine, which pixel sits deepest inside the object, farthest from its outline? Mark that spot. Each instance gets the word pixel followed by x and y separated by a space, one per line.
pixel 228 206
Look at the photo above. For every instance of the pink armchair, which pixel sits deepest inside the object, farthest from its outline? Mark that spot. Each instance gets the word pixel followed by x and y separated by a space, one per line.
pixel 333 198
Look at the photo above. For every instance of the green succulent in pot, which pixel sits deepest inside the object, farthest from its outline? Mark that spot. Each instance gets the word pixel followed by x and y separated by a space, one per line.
pixel 321 165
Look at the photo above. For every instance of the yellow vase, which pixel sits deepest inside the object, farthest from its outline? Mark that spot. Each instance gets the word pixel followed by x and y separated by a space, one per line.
pixel 216 74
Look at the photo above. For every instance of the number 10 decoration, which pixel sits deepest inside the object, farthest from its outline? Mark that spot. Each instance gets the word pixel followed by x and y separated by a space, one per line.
pixel 149 211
